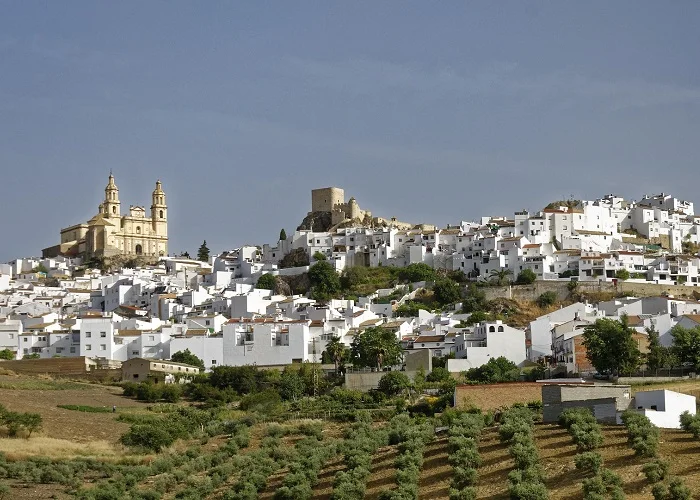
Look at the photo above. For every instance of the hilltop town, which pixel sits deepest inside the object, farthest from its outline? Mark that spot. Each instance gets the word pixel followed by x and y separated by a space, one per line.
pixel 110 292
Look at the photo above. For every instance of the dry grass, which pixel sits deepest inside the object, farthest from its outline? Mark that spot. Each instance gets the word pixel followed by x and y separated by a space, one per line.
pixel 492 396
pixel 19 449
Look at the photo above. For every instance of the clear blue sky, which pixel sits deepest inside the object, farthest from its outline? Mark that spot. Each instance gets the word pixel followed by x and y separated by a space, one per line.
pixel 428 111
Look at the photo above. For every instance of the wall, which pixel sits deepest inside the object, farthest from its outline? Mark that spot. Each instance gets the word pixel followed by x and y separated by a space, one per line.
pixel 647 380
pixel 604 409
pixel 532 292
pixel 364 381
pixel 324 199
pixel 67 366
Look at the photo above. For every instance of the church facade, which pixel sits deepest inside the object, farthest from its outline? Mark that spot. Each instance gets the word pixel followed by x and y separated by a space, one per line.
pixel 110 233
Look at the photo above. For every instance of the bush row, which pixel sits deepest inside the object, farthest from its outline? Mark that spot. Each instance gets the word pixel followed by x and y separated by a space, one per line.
pixel 527 480
pixel 411 436
pixel 583 427
pixel 464 455
pixel 151 393
pixel 304 469
pixel 641 433
pixel 360 443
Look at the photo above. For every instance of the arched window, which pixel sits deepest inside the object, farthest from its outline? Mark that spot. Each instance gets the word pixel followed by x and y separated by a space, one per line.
pixel 492 329
pixel 114 210
pixel 500 328
pixel 138 229
pixel 161 214
pixel 139 250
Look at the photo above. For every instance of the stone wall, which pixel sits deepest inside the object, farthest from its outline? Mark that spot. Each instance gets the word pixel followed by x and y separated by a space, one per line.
pixel 325 199
pixel 364 381
pixel 561 288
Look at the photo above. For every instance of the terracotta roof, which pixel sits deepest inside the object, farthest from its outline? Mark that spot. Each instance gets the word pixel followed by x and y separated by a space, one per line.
pixel 592 233
pixel 260 321
pixel 430 338
pixel 40 326
pixel 317 322
pixel 130 333
pixel 371 322
pixel 532 245
pixel 693 317
pixel 635 321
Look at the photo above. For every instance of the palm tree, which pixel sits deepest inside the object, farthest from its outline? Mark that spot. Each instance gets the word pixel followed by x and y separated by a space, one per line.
pixel 337 351
pixel 500 276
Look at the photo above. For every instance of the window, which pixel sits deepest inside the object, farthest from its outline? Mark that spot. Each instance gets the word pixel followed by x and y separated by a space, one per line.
pixel 151 338
pixel 88 347
pixel 25 339
pixel 59 349
pixel 138 229
pixel 161 214
pixel 103 347
pixel 500 329
pixel 12 335
pixel 103 334
pixel 492 329
pixel 88 335
pixel 207 322
pixel 134 353
pixel 213 361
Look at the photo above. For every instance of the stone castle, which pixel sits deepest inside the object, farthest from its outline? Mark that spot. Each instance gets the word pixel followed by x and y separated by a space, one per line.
pixel 109 233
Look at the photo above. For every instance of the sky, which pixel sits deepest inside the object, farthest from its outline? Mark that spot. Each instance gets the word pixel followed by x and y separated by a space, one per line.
pixel 428 111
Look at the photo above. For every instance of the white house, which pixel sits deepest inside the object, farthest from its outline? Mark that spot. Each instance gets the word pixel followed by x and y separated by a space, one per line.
pixel 664 408
pixel 489 340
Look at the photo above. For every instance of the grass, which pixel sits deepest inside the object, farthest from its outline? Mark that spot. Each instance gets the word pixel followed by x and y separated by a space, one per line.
pixel 20 449
pixel 86 409
pixel 42 385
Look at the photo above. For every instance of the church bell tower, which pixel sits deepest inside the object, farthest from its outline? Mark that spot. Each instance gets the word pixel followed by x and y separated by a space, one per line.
pixel 111 205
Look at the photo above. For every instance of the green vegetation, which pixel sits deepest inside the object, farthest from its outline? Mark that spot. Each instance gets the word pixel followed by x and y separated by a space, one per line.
pixel 16 422
pixel 376 347
pixel 42 385
pixel 622 274
pixel 394 383
pixel 500 277
pixel 464 454
pixel 283 235
pixel 203 252
pixel 188 358
pixel 267 281
pixel 584 430
pixel 414 273
pixel 526 482
pixel 86 409
pixel 495 370
pixel 296 258
pixel 686 345
pixel 151 393
pixel 526 277
pixel 641 434
pixel 325 282
pixel 610 346
pixel 546 299
pixel 446 291
pixel 6 354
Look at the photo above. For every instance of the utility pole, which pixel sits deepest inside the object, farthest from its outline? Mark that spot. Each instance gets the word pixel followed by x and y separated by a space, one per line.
pixel 314 368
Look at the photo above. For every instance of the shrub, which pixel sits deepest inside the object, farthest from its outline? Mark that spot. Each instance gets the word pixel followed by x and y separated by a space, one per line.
pixel 151 437
pixel 394 383
pixel 656 470
pixel 468 493
pixel 589 461
pixel 546 299
pixel 528 491
pixel 171 393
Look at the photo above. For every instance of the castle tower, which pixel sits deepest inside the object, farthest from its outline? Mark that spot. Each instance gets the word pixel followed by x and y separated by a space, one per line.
pixel 111 205
pixel 159 211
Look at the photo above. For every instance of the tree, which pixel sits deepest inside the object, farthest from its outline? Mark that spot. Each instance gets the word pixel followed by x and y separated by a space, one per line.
pixel 188 358
pixel 500 276
pixel 376 347
pixel 291 386
pixel 41 268
pixel 622 274
pixel 324 280
pixel 439 374
pixel 337 351
pixel 319 256
pixel 7 354
pixel 34 355
pixel 475 299
pixel 203 252
pixel 499 369
pixel 409 309
pixel 547 299
pixel 686 345
pixel 283 235
pixel 446 291
pixel 393 383
pixel 658 355
pixel 610 346
pixel 526 277
pixel 417 272
pixel 267 282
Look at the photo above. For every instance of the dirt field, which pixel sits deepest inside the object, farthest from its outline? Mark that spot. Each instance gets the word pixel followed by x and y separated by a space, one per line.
pixel 492 396
pixel 557 453
pixel 71 425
